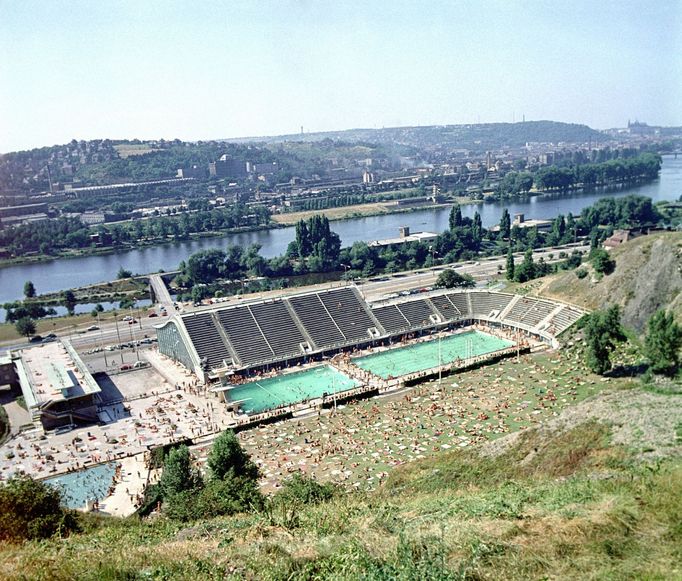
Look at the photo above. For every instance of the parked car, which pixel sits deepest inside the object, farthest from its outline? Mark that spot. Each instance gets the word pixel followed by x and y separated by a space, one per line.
pixel 126 367
pixel 153 315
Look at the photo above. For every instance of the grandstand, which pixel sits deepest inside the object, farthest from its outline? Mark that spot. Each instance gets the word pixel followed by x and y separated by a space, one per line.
pixel 260 334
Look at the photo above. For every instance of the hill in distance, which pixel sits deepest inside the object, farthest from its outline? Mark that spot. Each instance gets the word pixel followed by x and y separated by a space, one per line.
pixel 479 136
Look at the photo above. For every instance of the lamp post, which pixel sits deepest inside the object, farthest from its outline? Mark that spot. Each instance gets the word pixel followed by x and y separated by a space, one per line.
pixel 346 268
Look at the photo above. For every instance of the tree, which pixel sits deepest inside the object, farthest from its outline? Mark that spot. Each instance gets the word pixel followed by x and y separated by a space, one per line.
pixel 31 509
pixel 505 224
pixel 451 279
pixel 69 301
pixel 178 473
pixel 663 343
pixel 602 262
pixel 29 290
pixel 602 331
pixel 526 270
pixel 123 273
pixel 510 263
pixel 227 457
pixel 97 310
pixel 25 326
pixel 455 218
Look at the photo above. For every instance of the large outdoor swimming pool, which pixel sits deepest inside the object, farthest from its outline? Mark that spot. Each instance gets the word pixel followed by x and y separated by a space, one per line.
pixel 290 388
pixel 89 484
pixel 421 356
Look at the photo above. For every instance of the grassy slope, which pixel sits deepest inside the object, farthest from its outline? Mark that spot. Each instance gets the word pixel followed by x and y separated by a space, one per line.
pixel 648 275
pixel 572 499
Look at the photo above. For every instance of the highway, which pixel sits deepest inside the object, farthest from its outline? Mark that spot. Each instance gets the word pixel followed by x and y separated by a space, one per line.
pixel 376 288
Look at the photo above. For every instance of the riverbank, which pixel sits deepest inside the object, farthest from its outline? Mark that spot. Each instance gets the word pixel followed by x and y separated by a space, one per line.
pixel 364 210
pixel 141 245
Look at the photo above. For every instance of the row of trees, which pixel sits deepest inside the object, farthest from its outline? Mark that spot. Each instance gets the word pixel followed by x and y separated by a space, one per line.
pixel 554 177
pixel 316 248
pixel 52 236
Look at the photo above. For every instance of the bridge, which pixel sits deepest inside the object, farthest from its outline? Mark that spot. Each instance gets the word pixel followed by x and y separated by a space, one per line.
pixel 159 291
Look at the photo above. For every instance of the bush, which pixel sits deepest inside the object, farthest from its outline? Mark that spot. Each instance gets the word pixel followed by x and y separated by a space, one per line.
pixel 305 490
pixel 581 273
pixel 219 497
pixel 228 457
pixel 32 510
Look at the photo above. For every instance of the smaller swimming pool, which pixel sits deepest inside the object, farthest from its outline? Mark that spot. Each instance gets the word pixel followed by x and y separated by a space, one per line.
pixel 89 484
pixel 290 388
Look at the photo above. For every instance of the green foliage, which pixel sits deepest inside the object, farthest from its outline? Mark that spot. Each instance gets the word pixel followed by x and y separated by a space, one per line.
pixel 97 309
pixel 30 509
pixel 126 303
pixel 505 224
pixel 581 273
pixel 601 261
pixel 228 458
pixel 29 290
pixel 602 331
pixel 663 343
pixel 526 270
pixel 178 474
pixel 455 218
pixel 123 273
pixel 452 279
pixel 510 267
pixel 25 326
pixel 305 490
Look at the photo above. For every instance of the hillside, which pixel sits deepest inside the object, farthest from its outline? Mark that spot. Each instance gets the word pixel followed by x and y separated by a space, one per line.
pixel 478 137
pixel 648 276
pixel 571 499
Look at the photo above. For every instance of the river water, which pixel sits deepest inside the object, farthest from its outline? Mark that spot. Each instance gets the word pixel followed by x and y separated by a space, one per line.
pixel 74 272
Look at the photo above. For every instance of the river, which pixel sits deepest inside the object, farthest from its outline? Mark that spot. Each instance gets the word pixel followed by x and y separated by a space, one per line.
pixel 65 273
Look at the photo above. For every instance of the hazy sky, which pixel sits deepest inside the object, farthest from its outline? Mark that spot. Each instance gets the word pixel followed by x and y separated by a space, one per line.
pixel 202 70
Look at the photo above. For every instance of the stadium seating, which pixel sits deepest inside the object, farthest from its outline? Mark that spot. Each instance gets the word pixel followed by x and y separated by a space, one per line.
pixel 417 312
pixel 348 312
pixel 564 319
pixel 317 322
pixel 391 319
pixel 279 328
pixel 245 335
pixel 530 311
pixel 461 302
pixel 448 311
pixel 485 303
pixel 206 338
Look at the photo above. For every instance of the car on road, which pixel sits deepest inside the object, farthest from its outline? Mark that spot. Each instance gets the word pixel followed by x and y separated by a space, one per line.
pixel 127 318
pixel 35 339
pixel 153 315
pixel 93 328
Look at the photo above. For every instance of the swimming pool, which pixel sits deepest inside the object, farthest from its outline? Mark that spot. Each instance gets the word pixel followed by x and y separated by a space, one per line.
pixel 90 484
pixel 290 388
pixel 421 356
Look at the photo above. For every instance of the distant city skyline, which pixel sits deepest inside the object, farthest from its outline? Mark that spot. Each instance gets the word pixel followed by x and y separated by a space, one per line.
pixel 214 70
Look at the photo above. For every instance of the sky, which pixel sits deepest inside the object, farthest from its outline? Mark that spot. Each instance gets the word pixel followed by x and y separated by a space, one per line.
pixel 208 70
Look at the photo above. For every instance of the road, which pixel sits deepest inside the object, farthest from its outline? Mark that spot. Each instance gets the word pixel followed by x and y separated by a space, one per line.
pixel 377 288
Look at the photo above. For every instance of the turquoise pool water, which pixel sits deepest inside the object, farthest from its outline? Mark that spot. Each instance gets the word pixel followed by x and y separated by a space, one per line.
pixel 79 487
pixel 421 356
pixel 290 388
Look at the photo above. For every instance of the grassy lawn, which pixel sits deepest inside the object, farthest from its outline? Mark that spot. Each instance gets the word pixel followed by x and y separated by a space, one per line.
pixel 360 443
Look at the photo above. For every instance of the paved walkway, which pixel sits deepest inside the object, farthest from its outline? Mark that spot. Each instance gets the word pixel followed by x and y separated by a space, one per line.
pixel 17 415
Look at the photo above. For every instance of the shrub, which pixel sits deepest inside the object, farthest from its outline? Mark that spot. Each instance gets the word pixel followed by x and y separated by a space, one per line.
pixel 32 510
pixel 581 273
